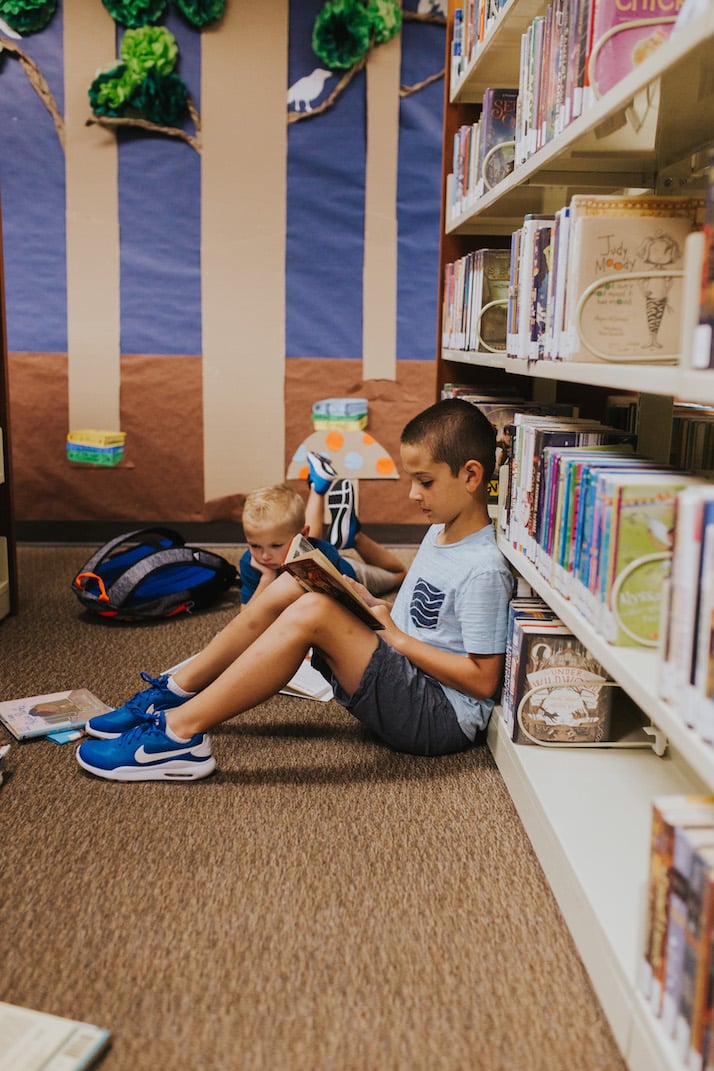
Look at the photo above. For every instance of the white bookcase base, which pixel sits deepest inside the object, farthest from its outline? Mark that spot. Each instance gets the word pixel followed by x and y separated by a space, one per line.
pixel 588 815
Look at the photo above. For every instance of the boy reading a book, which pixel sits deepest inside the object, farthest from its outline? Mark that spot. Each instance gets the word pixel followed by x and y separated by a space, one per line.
pixel 272 516
pixel 424 684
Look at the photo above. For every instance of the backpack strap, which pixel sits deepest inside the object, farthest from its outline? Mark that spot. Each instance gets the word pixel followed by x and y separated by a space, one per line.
pixel 155 536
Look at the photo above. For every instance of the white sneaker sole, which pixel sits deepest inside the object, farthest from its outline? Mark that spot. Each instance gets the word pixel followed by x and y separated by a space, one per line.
pixel 178 770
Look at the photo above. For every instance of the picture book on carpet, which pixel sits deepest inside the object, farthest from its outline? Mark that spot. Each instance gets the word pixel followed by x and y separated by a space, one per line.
pixel 45 715
pixel 38 1041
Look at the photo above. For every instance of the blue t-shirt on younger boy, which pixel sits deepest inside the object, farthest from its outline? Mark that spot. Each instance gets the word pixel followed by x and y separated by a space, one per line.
pixel 250 576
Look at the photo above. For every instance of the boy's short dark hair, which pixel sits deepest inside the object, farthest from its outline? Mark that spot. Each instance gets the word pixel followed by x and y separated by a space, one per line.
pixel 454 432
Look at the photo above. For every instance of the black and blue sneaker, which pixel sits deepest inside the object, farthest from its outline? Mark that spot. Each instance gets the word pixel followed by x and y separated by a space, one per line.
pixel 154 698
pixel 344 525
pixel 146 753
pixel 322 472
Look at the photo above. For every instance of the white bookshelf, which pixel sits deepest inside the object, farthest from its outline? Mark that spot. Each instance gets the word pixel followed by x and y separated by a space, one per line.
pixel 588 812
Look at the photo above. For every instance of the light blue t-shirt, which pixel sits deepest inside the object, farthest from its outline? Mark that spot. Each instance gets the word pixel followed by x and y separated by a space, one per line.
pixel 455 597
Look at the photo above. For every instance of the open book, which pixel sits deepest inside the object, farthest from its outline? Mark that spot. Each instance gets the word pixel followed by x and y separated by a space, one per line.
pixel 315 572
pixel 37 1041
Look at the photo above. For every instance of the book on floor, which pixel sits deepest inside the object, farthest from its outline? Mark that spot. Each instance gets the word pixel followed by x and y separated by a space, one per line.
pixel 38 1041
pixel 55 712
pixel 315 572
pixel 308 683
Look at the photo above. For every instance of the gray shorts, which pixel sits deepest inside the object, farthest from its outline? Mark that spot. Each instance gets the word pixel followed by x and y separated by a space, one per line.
pixel 402 705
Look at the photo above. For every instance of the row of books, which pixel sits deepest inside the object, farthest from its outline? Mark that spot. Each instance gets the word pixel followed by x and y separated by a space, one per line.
pixel 687 658
pixel 554 690
pixel 570 55
pixel 602 279
pixel 475 301
pixel 472 24
pixel 677 964
pixel 484 150
pixel 595 519
pixel 501 409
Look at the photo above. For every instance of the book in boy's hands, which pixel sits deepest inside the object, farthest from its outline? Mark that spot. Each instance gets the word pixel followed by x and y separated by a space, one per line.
pixel 38 1041
pixel 316 572
pixel 41 715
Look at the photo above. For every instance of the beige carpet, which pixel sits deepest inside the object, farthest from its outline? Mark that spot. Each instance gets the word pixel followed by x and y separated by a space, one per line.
pixel 319 904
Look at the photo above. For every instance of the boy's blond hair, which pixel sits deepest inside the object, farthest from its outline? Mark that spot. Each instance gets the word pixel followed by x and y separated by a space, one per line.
pixel 278 504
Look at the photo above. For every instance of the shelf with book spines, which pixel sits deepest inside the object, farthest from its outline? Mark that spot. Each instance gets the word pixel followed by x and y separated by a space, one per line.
pixel 674 381
pixel 581 158
pixel 588 814
pixel 635 669
pixel 495 58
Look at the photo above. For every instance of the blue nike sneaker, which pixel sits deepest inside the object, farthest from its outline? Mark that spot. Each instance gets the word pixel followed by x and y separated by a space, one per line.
pixel 344 525
pixel 156 697
pixel 322 472
pixel 146 753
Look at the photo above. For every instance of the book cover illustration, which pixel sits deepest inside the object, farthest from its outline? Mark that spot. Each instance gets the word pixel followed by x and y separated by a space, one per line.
pixel 627 286
pixel 560 696
pixel 623 37
pixel 40 715
pixel 315 572
pixel 638 556
pixel 494 299
pixel 498 132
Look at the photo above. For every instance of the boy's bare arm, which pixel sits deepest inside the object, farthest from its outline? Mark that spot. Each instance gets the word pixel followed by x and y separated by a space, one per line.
pixel 475 674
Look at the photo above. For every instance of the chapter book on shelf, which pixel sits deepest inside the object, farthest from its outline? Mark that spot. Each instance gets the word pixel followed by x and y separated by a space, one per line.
pixel 693 1031
pixel 37 1041
pixel 622 37
pixel 497 139
pixel 703 349
pixel 315 572
pixel 624 318
pixel 677 662
pixel 561 695
pixel 55 712
pixel 626 291
pixel 675 991
pixel 637 526
pixel 667 813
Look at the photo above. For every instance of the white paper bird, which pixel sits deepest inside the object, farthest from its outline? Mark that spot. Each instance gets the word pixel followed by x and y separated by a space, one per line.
pixel 8 31
pixel 305 90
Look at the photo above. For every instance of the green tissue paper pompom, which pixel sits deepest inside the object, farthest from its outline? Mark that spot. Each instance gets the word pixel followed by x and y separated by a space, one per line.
pixel 386 19
pixel 135 13
pixel 149 48
pixel 110 91
pixel 201 12
pixel 341 35
pixel 27 16
pixel 160 98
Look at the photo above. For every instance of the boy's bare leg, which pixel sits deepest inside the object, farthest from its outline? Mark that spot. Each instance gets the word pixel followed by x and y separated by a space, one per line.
pixel 254 618
pixel 374 553
pixel 271 659
pixel 315 514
